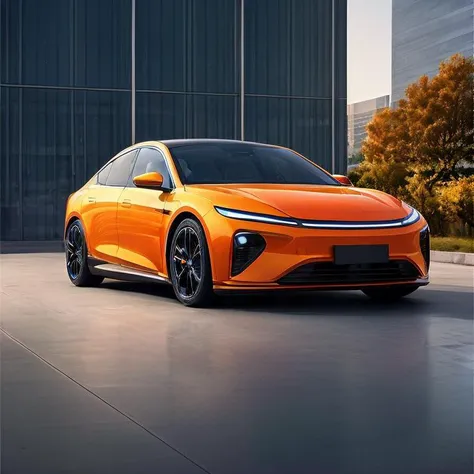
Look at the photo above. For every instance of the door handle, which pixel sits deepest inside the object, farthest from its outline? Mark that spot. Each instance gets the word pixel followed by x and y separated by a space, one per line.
pixel 126 203
pixel 91 199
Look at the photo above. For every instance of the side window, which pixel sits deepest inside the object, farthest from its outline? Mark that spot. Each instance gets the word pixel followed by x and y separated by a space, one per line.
pixel 103 175
pixel 151 160
pixel 121 168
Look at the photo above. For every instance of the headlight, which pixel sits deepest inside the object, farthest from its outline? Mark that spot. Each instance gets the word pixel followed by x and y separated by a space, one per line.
pixel 413 217
pixel 248 216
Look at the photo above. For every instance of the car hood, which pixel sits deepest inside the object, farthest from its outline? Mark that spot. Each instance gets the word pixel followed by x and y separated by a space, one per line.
pixel 308 202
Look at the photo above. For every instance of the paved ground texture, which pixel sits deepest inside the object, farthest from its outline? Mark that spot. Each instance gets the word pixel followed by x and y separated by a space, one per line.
pixel 123 379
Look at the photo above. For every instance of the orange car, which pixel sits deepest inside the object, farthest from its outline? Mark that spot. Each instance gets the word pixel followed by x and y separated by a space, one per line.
pixel 209 216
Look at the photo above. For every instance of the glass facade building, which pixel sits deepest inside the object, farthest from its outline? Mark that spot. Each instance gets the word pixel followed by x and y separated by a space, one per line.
pixel 424 33
pixel 82 79
pixel 359 114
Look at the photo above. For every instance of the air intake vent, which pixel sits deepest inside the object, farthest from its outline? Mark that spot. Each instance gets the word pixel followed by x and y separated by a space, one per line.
pixel 247 248
pixel 327 273
pixel 425 246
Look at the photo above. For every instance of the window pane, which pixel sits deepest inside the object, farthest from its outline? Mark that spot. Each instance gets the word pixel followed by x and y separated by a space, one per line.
pixel 10 188
pixel 160 116
pixel 303 125
pixel 104 174
pixel 46 161
pixel 9 41
pixel 160 45
pixel 101 130
pixel 151 160
pixel 288 47
pixel 211 64
pixel 46 38
pixel 121 168
pixel 103 44
pixel 212 116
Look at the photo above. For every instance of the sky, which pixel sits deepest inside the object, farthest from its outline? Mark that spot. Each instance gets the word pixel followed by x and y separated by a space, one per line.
pixel 369 49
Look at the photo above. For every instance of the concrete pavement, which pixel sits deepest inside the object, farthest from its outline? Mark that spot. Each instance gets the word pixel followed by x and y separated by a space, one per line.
pixel 124 379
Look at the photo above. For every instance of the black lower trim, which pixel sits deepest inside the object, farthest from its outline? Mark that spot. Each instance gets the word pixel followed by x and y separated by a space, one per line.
pixel 93 262
pixel 118 272
pixel 289 290
pixel 328 273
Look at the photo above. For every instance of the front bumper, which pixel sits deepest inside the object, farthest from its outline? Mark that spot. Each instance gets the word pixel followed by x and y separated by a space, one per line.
pixel 287 248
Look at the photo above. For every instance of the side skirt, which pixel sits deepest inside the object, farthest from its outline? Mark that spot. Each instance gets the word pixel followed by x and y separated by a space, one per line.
pixel 120 272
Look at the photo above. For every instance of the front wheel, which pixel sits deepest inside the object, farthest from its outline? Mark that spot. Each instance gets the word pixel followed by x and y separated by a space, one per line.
pixel 391 293
pixel 189 265
pixel 76 257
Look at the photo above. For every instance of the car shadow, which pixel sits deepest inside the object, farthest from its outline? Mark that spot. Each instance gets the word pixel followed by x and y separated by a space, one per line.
pixel 433 301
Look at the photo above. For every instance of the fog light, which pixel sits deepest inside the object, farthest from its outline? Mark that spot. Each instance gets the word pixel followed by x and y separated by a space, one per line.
pixel 241 239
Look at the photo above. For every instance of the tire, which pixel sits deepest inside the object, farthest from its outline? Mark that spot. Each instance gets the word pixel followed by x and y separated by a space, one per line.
pixel 189 265
pixel 391 293
pixel 76 257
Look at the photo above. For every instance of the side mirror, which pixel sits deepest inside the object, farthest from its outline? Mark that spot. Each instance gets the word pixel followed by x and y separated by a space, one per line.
pixel 343 179
pixel 149 180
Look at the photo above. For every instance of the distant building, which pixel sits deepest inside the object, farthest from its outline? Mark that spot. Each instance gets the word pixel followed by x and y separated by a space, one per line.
pixel 359 115
pixel 424 33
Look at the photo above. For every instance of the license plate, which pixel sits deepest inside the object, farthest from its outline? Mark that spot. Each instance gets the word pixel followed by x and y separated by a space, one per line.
pixel 358 254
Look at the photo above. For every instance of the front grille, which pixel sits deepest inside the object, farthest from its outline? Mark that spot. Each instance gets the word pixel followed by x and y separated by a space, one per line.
pixel 327 273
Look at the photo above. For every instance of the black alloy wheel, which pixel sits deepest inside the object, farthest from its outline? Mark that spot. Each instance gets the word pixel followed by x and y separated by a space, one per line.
pixel 74 250
pixel 76 257
pixel 189 265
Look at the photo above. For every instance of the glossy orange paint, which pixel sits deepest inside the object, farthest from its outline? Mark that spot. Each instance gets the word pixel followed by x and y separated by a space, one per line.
pixel 131 226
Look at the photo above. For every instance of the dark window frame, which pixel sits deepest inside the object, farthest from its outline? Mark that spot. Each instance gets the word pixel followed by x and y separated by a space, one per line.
pixel 111 162
pixel 154 148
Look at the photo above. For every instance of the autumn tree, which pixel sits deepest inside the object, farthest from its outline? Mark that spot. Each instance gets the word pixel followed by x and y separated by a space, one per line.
pixel 385 167
pixel 428 134
pixel 456 199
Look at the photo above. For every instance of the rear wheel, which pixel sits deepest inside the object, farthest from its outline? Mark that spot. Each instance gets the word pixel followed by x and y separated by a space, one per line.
pixel 391 293
pixel 189 265
pixel 76 257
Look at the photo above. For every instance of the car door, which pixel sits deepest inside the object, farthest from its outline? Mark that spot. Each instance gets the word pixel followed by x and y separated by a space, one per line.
pixel 140 215
pixel 100 207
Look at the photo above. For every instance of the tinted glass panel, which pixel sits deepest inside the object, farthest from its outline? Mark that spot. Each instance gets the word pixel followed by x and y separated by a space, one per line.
pixel 151 160
pixel 288 47
pixel 10 185
pixel 160 116
pixel 160 45
pixel 104 174
pixel 211 47
pixel 46 39
pixel 121 168
pixel 9 41
pixel 46 149
pixel 304 125
pixel 221 163
pixel 102 43
pixel 101 130
pixel 212 116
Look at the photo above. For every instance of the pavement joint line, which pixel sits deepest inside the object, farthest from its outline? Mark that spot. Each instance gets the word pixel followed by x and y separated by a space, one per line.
pixel 125 415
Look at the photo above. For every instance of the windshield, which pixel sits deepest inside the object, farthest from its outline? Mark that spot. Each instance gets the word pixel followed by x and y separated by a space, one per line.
pixel 227 163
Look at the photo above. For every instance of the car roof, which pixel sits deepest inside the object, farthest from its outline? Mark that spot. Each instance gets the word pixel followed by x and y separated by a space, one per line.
pixel 206 141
